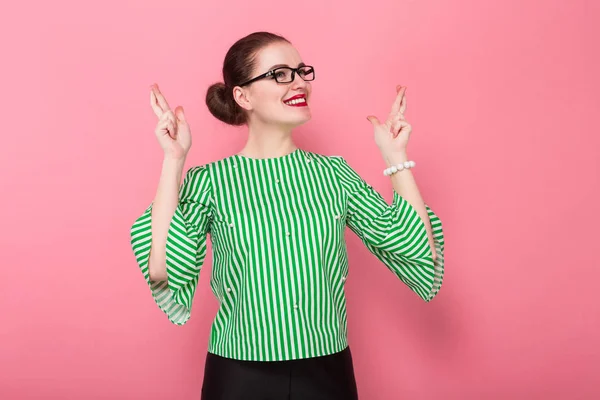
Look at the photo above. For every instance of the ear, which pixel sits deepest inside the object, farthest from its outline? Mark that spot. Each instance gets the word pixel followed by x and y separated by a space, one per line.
pixel 241 97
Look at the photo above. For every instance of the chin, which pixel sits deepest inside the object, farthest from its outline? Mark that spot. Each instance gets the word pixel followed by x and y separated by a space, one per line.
pixel 296 121
pixel 301 121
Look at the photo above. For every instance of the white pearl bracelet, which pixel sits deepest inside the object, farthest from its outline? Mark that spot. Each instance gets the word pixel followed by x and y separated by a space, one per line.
pixel 395 168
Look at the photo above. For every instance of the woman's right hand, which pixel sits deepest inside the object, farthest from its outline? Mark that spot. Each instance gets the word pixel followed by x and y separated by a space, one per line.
pixel 172 130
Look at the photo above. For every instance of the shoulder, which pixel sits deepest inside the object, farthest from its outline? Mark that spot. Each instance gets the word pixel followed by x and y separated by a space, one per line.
pixel 198 172
pixel 337 165
pixel 197 178
pixel 330 161
pixel 205 170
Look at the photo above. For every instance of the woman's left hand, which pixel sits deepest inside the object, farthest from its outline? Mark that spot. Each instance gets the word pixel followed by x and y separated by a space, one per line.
pixel 392 136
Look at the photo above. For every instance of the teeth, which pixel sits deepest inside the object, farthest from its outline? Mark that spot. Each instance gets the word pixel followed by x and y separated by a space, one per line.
pixel 296 101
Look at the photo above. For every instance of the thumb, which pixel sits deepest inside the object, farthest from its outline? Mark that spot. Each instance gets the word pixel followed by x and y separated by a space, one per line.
pixel 373 120
pixel 179 114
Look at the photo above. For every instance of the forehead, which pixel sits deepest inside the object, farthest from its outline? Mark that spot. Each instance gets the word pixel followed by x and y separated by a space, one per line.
pixel 277 53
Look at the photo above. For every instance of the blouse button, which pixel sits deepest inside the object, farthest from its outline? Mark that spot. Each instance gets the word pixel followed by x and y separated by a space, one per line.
pixel 231 225
pixel 337 217
pixel 296 306
pixel 228 290
pixel 308 160
pixel 343 278
pixel 277 180
pixel 288 233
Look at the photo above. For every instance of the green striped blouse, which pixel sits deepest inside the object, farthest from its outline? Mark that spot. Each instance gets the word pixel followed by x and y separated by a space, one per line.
pixel 279 254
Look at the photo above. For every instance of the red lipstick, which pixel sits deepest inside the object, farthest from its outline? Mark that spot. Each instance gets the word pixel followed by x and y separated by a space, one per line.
pixel 296 97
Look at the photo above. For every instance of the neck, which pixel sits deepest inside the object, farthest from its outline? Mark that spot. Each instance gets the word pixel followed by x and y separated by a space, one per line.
pixel 268 141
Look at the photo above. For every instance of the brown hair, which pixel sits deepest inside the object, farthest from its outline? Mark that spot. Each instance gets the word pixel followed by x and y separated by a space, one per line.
pixel 239 64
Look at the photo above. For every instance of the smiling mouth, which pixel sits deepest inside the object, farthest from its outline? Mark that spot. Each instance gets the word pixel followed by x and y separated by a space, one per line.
pixel 301 102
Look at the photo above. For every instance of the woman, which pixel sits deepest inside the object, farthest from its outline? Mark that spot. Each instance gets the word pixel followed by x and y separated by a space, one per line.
pixel 276 215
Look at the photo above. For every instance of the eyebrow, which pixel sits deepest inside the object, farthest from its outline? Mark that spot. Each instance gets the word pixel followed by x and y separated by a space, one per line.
pixel 285 65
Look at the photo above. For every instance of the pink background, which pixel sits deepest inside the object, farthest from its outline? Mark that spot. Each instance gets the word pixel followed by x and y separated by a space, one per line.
pixel 501 96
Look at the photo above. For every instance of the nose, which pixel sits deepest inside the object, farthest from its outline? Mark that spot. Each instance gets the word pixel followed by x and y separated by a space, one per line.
pixel 298 82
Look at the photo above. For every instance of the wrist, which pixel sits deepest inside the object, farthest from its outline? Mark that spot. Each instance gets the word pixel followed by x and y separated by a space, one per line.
pixel 173 162
pixel 395 159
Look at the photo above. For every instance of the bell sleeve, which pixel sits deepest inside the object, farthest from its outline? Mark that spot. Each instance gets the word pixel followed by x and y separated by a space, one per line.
pixel 394 233
pixel 185 246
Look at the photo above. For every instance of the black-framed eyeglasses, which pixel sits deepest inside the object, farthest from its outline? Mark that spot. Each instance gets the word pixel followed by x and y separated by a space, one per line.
pixel 286 74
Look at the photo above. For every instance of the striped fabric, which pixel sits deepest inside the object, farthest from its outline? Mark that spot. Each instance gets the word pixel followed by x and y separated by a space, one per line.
pixel 279 254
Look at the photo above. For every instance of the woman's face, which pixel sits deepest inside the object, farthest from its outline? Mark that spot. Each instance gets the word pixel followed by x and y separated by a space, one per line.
pixel 266 99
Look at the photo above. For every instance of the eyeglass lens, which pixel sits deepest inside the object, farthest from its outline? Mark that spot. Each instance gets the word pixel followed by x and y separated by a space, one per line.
pixel 284 75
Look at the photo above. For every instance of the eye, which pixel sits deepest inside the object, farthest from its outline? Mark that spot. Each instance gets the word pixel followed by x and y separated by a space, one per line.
pixel 280 74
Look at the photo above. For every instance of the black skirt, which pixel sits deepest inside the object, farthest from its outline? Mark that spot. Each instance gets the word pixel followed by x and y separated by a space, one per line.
pixel 328 377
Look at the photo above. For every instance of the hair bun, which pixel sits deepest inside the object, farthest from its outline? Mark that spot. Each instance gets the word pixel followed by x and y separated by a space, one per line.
pixel 222 106
pixel 239 63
